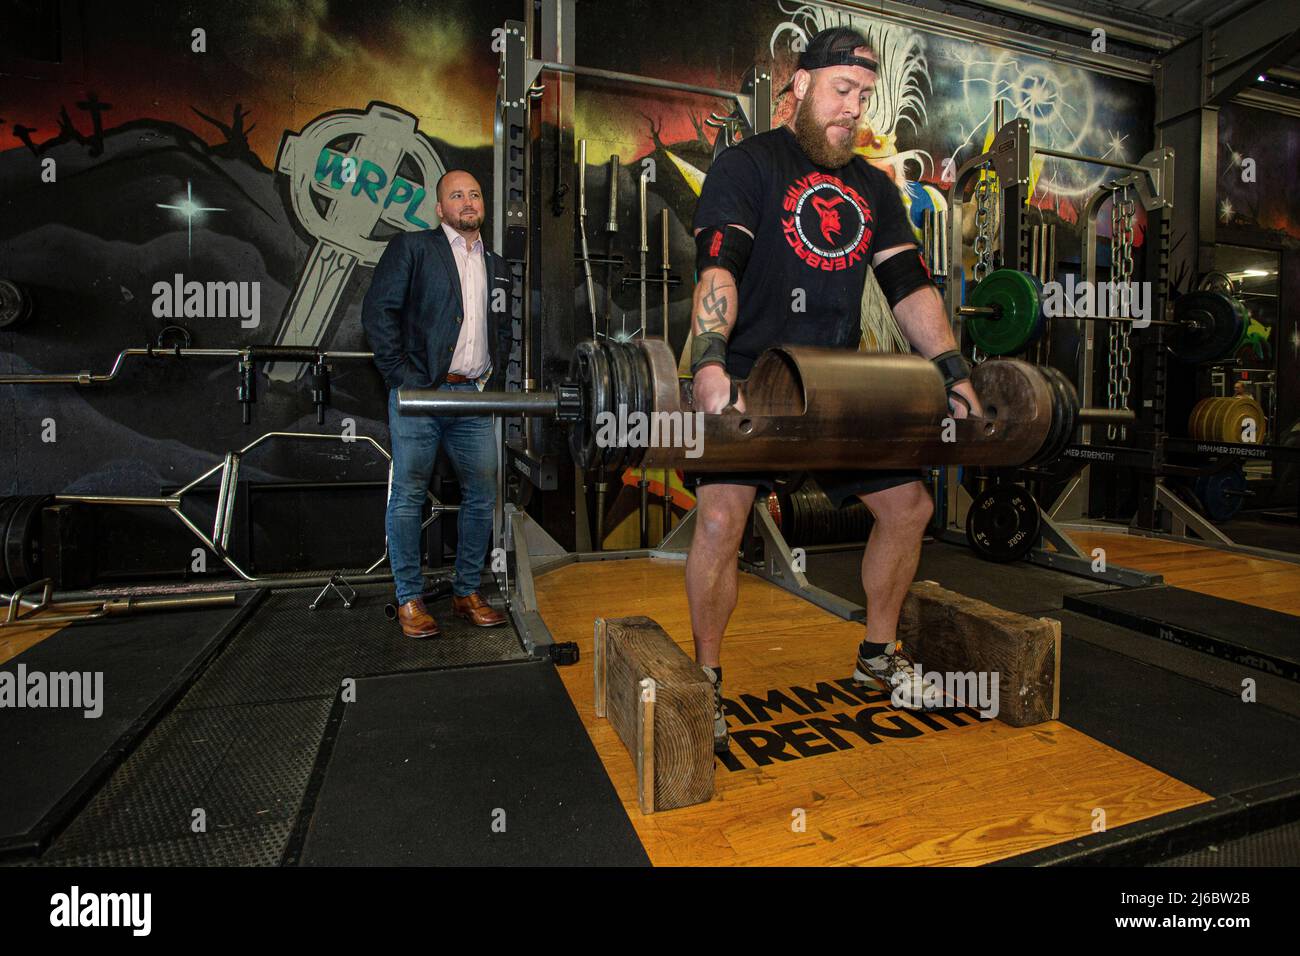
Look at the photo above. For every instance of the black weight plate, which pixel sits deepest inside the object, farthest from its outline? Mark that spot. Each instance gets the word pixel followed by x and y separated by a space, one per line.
pixel 1071 410
pixel 7 507
pixel 1046 451
pixel 799 527
pixel 1220 332
pixel 602 394
pixel 1003 523
pixel 633 385
pixel 640 384
pixel 631 455
pixel 15 303
pixel 620 371
pixel 1065 412
pixel 34 543
pixel 1063 415
pixel 15 540
pixel 582 433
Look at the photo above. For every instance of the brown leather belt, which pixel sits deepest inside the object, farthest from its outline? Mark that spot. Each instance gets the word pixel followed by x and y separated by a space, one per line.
pixel 455 379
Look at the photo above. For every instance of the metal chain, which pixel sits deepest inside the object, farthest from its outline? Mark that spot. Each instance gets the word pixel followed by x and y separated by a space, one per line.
pixel 1112 328
pixel 983 225
pixel 983 244
pixel 1120 358
pixel 1126 215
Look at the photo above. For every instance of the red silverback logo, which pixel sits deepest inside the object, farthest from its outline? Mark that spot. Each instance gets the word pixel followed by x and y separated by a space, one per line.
pixel 830 218
pixel 716 244
pixel 827 222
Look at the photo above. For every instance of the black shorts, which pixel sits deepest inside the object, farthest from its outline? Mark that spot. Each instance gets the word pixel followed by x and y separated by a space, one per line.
pixel 841 487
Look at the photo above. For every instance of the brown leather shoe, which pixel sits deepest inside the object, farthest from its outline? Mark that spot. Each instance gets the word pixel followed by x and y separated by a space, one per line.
pixel 416 621
pixel 477 611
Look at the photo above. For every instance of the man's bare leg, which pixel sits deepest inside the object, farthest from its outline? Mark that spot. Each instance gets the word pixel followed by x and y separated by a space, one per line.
pixel 893 553
pixel 721 512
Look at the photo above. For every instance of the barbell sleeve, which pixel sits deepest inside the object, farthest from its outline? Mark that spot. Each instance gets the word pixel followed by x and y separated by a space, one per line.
pixel 1096 415
pixel 432 401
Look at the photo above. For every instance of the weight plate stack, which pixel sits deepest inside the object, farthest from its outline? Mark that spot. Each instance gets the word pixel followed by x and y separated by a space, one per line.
pixel 1238 412
pixel 1003 523
pixel 1224 419
pixel 1065 409
pixel 1017 298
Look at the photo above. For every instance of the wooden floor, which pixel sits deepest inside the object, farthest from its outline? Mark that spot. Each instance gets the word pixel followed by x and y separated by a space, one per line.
pixel 922 789
pixel 1225 574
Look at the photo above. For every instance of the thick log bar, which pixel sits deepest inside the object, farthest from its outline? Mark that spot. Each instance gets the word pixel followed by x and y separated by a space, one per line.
pixel 805 407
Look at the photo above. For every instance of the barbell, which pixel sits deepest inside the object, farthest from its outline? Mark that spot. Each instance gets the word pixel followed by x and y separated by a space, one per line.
pixel 806 408
pixel 1006 315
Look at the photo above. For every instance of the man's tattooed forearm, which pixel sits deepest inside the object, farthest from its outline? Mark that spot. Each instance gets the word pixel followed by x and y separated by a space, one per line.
pixel 713 314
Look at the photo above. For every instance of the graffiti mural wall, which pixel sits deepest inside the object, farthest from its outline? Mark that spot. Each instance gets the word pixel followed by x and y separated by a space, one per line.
pixel 236 168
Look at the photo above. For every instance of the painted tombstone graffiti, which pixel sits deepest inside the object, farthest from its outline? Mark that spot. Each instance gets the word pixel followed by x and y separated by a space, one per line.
pixel 356 179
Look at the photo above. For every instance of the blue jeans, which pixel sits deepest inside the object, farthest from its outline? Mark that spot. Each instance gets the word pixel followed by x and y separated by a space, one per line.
pixel 471 445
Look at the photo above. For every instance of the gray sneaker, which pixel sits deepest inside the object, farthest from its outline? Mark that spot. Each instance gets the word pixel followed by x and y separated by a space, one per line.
pixel 892 671
pixel 721 742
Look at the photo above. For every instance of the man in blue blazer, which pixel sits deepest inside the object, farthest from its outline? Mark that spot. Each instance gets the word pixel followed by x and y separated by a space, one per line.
pixel 436 316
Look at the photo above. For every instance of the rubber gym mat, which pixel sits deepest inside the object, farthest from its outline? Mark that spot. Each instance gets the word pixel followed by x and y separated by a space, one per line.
pixel 1021 587
pixel 1279 846
pixel 53 756
pixel 1253 637
pixel 1205 737
pixel 473 766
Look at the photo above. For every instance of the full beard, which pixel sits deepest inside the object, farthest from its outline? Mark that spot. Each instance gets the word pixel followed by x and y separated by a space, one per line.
pixel 815 141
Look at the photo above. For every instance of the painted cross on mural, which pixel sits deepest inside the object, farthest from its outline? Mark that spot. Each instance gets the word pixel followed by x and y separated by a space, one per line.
pixel 355 180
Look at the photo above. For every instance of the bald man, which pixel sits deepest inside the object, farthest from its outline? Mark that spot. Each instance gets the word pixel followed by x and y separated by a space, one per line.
pixel 430 319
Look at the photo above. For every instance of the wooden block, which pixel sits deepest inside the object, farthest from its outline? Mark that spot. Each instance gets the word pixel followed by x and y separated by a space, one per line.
pixel 949 632
pixel 661 705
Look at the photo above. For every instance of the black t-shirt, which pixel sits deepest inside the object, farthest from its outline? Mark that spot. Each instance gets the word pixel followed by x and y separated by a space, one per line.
pixel 815 233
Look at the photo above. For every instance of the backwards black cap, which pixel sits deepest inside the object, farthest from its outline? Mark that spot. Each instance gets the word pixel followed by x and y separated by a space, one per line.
pixel 832 47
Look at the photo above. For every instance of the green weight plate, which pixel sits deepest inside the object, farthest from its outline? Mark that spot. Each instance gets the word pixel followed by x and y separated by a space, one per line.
pixel 1018 298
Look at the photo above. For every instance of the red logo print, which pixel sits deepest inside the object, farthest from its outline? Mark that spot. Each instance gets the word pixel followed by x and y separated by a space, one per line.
pixel 830 217
pixel 828 223
pixel 715 245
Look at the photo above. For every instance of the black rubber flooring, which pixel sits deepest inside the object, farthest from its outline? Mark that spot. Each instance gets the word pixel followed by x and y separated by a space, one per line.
pixel 1279 846
pixel 1257 638
pixel 478 766
pixel 220 778
pixel 1022 587
pixel 1257 532
pixel 53 757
